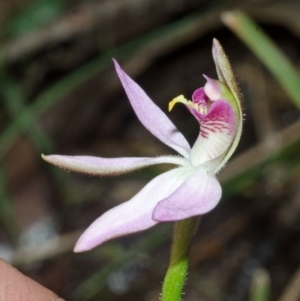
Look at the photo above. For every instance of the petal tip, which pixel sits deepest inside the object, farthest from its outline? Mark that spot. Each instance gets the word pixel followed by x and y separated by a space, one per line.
pixel 57 160
pixel 84 244
pixel 115 63
pixel 212 88
pixel 206 77
pixel 79 248
pixel 117 66
pixel 216 44
pixel 47 158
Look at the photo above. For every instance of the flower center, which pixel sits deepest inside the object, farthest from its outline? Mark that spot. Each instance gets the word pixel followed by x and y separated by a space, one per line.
pixel 199 106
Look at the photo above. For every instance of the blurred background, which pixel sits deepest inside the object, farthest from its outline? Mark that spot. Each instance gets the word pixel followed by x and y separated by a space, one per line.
pixel 60 94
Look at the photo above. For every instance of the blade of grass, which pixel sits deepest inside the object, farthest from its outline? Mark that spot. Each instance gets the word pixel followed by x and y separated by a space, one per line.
pixel 260 286
pixel 266 50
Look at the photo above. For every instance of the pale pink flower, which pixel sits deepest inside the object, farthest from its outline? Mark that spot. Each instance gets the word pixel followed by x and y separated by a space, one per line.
pixel 191 188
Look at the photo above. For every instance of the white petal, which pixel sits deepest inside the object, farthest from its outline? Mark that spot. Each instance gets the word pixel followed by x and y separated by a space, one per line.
pixel 217 131
pixel 151 116
pixel 199 194
pixel 109 166
pixel 134 215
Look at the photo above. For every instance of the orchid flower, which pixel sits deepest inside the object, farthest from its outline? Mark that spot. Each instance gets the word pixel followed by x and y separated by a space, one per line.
pixel 191 188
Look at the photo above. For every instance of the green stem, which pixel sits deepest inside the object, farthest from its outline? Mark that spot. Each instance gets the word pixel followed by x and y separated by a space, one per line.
pixel 260 286
pixel 177 271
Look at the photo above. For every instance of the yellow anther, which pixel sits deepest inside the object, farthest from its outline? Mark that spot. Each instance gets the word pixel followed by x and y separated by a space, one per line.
pixel 202 110
pixel 177 99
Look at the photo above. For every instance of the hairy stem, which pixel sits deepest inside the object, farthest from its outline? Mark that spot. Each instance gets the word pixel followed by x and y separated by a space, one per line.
pixel 177 271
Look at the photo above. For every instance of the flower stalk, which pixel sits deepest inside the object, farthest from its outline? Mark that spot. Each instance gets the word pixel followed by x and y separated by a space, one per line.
pixel 177 271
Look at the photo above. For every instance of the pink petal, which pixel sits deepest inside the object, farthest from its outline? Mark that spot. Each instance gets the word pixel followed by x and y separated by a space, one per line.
pixel 151 116
pixel 217 131
pixel 112 166
pixel 134 215
pixel 213 88
pixel 199 194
